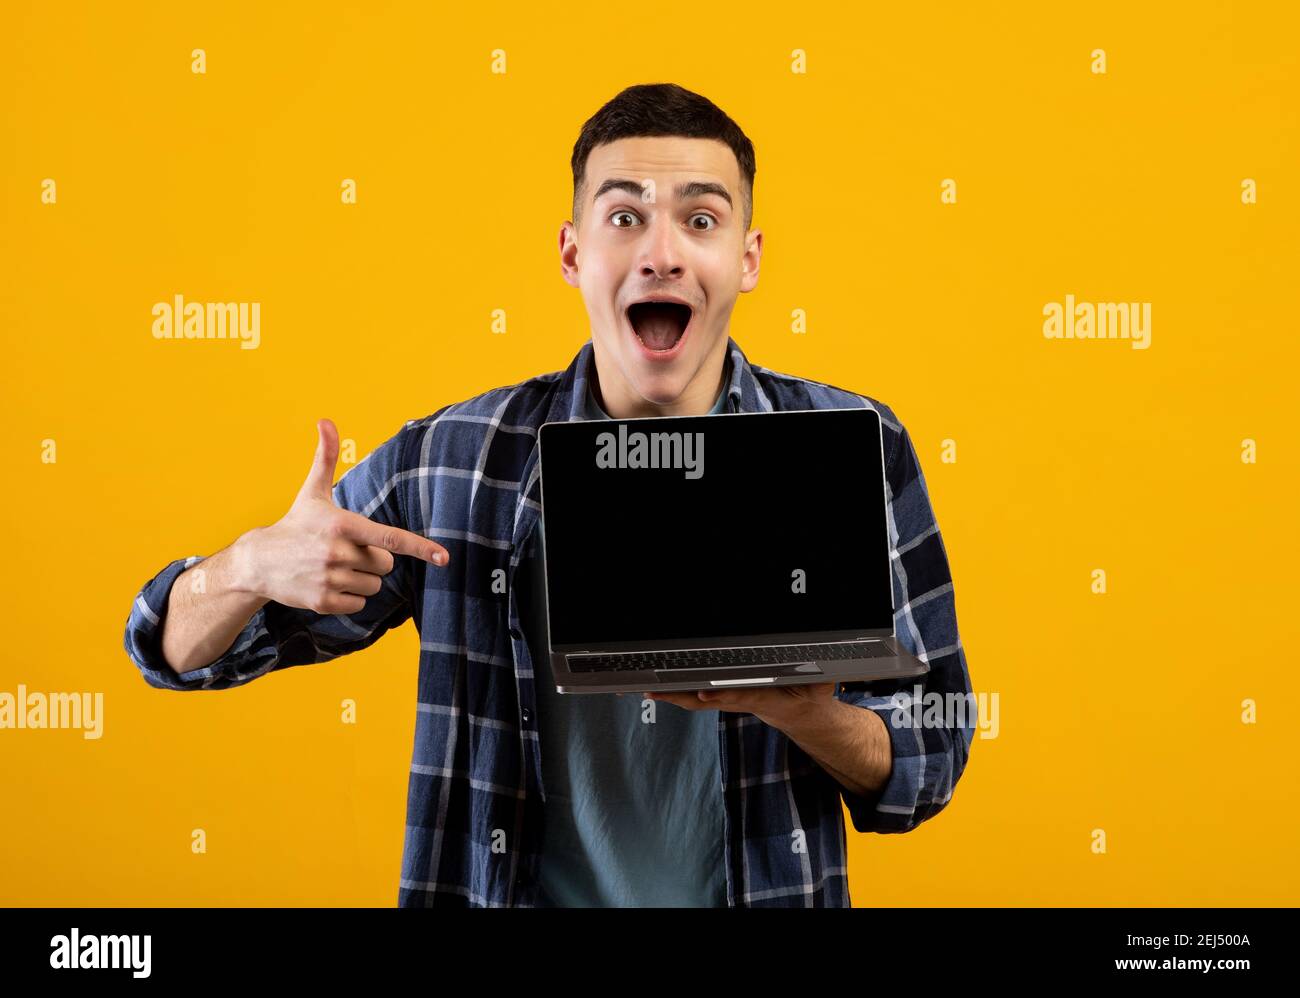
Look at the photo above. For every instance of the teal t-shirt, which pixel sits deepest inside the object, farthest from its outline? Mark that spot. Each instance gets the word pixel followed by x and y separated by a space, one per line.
pixel 633 814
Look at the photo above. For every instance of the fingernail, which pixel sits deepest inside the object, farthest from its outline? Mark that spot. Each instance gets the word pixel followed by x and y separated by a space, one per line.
pixel 440 559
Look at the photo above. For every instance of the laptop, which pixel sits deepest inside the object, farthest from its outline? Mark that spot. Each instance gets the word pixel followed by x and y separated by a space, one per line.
pixel 715 551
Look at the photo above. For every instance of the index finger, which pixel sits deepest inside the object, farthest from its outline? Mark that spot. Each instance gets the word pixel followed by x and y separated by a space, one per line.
pixel 356 527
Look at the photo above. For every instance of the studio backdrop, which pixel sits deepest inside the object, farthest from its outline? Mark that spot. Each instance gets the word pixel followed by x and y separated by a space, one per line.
pixel 1060 242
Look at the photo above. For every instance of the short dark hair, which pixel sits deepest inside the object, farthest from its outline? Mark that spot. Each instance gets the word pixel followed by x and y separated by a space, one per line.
pixel 650 109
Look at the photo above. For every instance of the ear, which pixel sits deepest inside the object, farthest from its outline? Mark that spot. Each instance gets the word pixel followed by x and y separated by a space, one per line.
pixel 569 254
pixel 750 261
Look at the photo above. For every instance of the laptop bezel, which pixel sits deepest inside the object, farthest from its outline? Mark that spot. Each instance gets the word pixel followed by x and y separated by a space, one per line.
pixel 737 641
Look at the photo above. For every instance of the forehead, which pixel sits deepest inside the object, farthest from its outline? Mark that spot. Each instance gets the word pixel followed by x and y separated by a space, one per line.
pixel 664 158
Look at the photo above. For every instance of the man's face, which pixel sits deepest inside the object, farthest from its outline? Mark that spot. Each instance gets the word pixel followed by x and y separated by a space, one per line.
pixel 661 218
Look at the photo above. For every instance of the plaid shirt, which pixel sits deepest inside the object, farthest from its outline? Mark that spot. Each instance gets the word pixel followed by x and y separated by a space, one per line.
pixel 467 476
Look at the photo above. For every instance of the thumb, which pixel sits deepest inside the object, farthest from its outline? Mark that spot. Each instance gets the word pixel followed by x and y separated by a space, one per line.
pixel 320 480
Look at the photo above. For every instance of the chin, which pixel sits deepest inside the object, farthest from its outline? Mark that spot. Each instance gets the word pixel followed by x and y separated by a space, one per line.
pixel 658 393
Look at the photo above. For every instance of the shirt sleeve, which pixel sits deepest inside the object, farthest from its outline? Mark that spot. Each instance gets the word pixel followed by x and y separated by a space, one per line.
pixel 930 747
pixel 279 636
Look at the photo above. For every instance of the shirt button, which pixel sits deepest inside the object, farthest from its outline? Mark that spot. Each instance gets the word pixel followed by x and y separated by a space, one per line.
pixel 516 634
pixel 526 714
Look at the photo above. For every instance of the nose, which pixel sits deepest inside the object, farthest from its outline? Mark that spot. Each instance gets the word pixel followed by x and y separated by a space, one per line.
pixel 661 252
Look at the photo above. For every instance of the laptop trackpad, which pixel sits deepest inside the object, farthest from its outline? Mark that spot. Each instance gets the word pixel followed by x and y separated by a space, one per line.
pixel 738 675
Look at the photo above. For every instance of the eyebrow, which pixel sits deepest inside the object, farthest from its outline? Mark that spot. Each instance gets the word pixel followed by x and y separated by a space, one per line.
pixel 691 189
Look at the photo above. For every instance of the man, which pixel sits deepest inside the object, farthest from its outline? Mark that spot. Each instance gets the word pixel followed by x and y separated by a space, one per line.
pixel 519 795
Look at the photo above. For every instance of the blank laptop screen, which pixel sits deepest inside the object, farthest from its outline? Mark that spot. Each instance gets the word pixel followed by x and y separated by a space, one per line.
pixel 723 526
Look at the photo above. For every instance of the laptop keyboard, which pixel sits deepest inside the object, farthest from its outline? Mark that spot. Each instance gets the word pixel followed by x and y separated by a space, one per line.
pixel 721 658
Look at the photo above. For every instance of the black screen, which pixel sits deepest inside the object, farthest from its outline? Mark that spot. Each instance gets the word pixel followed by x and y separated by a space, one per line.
pixel 707 543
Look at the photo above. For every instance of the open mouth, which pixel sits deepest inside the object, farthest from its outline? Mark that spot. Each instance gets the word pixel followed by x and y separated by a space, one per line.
pixel 659 325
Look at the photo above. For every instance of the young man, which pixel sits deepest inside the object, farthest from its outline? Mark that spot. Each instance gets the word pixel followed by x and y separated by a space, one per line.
pixel 519 795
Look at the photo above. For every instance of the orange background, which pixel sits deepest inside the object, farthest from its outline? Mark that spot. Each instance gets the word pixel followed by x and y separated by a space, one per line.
pixel 1119 711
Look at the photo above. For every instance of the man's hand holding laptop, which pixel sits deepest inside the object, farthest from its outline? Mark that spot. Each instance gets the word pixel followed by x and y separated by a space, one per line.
pixel 850 743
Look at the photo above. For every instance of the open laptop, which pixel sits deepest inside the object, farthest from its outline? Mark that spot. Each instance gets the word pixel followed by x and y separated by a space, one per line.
pixel 705 552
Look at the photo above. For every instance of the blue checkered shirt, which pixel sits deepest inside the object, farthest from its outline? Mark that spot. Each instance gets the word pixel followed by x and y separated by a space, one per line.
pixel 467 477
